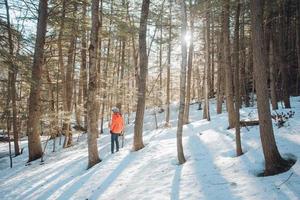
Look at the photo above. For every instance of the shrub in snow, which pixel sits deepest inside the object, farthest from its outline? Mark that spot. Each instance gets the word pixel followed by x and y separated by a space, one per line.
pixel 281 118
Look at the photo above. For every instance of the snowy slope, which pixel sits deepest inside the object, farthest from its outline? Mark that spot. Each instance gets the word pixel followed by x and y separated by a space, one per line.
pixel 211 172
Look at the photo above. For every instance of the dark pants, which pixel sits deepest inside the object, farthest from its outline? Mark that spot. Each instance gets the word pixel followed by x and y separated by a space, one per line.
pixel 114 139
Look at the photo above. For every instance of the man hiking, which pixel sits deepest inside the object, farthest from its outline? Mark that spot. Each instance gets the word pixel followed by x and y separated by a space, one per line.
pixel 116 128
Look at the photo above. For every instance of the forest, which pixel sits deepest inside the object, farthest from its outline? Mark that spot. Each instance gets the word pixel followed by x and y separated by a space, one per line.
pixel 207 94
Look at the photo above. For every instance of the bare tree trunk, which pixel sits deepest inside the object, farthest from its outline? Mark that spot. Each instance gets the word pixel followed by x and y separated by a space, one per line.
pixel 199 88
pixel 105 74
pixel 243 92
pixel 77 102
pixel 123 99
pixel 273 161
pixel 33 126
pixel 83 74
pixel 139 119
pixel 207 79
pixel 280 49
pixel 190 69
pixel 228 68
pixel 239 150
pixel 8 117
pixel 298 44
pixel 92 88
pixel 52 117
pixel 69 81
pixel 220 76
pixel 160 62
pixel 12 86
pixel 84 64
pixel 169 66
pixel 183 16
pixel 249 77
pixel 272 77
pixel 61 64
pixel 104 87
pixel 212 71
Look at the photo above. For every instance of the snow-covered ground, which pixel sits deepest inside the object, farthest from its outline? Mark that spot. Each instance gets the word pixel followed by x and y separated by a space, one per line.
pixel 211 172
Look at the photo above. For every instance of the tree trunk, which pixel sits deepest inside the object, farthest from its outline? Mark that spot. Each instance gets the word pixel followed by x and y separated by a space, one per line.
pixel 51 115
pixel 142 78
pixel 207 79
pixel 183 16
pixel 83 74
pixel 212 71
pixel 281 51
pixel 33 126
pixel 12 86
pixel 84 65
pixel 236 50
pixel 250 77
pixel 228 68
pixel 243 92
pixel 169 66
pixel 69 81
pixel 190 68
pixel 160 62
pixel 61 62
pixel 105 74
pixel 220 76
pixel 92 88
pixel 272 77
pixel 199 88
pixel 273 161
pixel 298 45
pixel 8 118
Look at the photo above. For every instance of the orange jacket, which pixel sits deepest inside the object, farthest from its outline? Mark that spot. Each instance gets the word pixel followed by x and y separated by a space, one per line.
pixel 117 123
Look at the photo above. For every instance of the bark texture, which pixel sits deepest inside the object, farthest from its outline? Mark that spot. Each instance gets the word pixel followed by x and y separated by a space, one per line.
pixel 183 16
pixel 227 64
pixel 142 79
pixel 33 126
pixel 239 150
pixel 273 161
pixel 92 88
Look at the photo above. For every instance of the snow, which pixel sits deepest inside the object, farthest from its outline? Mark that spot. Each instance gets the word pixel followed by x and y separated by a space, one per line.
pixel 211 172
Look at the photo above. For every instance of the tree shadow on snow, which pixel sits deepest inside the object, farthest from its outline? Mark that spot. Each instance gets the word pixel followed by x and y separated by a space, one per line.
pixel 113 176
pixel 67 168
pixel 213 184
pixel 82 178
pixel 176 183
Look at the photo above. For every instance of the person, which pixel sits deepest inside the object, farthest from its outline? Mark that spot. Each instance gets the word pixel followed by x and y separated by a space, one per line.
pixel 116 128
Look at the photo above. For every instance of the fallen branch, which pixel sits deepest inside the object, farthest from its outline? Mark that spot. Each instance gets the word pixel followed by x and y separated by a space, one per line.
pixel 278 187
pixel 244 123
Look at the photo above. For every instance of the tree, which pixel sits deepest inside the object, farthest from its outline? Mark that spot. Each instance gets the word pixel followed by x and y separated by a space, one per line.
pixel 269 37
pixel 12 80
pixel 190 67
pixel 82 93
pixel 169 66
pixel 183 16
pixel 298 43
pixel 33 126
pixel 207 74
pixel 220 75
pixel 92 88
pixel 274 163
pixel 142 78
pixel 236 52
pixel 60 55
pixel 281 50
pixel 69 76
pixel 227 64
